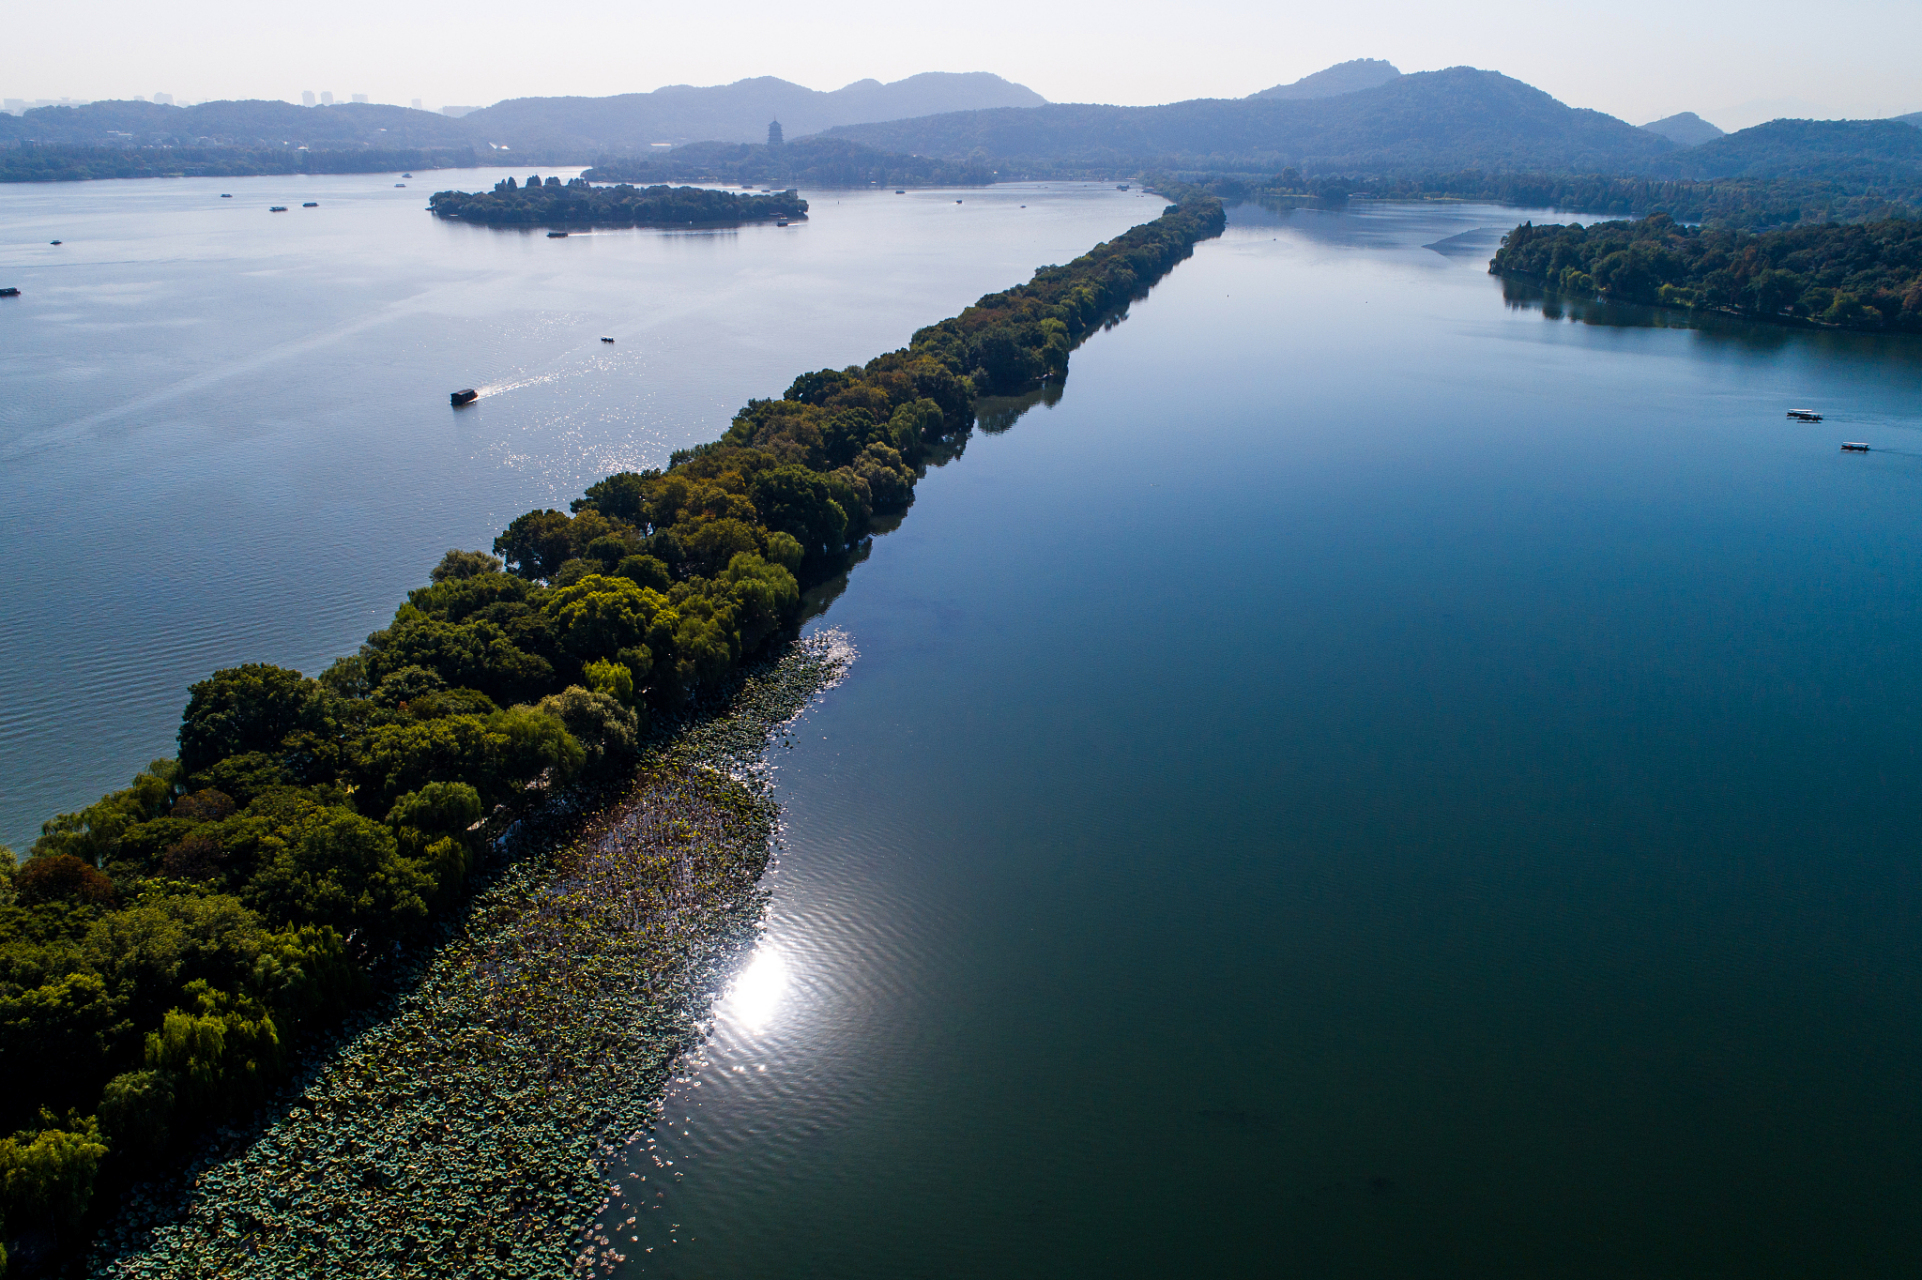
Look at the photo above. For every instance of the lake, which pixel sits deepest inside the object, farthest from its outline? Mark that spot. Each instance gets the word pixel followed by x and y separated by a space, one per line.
pixel 1382 777
pixel 227 436
pixel 1375 782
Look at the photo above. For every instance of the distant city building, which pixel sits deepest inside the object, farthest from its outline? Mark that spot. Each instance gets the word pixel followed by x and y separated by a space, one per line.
pixel 306 97
pixel 457 112
pixel 327 97
pixel 774 134
pixel 417 104
pixel 360 97
pixel 15 106
pixel 164 99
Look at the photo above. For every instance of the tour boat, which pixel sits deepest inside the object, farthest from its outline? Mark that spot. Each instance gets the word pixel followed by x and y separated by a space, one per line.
pixel 1854 446
pixel 9 292
pixel 1121 186
pixel 406 175
pixel 781 222
pixel 900 192
pixel 311 204
pixel 53 242
pixel 276 208
pixel 226 195
pixel 607 339
pixel 557 235
pixel 464 397
pixel 1805 415
pixel 400 184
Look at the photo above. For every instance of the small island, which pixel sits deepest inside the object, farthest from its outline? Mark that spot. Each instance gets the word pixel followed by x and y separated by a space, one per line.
pixel 579 203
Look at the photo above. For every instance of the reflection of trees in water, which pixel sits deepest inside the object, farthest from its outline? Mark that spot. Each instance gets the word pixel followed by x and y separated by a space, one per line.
pixel 1731 334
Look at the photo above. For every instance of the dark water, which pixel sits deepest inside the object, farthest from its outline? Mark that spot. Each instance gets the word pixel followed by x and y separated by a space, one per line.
pixel 225 433
pixel 1375 782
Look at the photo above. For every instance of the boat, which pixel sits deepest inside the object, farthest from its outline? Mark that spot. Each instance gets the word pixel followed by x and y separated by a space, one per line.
pixel 605 338
pixel 468 396
pixel 1854 446
pixel 272 208
pixel 9 292
pixel 557 235
pixel 226 195
pixel 780 222
pixel 957 202
pixel 1805 415
pixel 406 175
pixel 900 191
pixel 53 242
pixel 1121 186
pixel 311 204
pixel 400 184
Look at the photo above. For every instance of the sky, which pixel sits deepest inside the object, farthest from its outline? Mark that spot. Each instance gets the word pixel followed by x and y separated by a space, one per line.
pixel 1735 63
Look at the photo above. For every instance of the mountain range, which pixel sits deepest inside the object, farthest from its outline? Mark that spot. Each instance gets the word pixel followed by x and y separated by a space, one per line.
pixel 738 112
pixel 1459 118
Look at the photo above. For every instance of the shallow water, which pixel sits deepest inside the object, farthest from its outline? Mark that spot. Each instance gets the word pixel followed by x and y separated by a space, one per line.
pixel 1376 781
pixel 226 434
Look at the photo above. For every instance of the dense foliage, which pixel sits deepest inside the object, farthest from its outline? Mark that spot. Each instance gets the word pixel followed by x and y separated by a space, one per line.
pixel 74 163
pixel 1752 203
pixel 578 202
pixel 1854 277
pixel 812 162
pixel 166 952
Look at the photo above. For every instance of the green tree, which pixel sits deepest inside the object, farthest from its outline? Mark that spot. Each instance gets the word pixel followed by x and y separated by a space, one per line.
pixel 246 708
pixel 47 1176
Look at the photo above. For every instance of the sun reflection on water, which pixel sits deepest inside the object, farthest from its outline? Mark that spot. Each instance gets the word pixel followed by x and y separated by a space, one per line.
pixel 757 991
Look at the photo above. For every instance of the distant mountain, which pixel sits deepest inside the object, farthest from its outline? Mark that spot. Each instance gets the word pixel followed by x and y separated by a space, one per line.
pixel 1343 77
pixel 248 123
pixel 737 112
pixel 1859 153
pixel 1685 129
pixel 1914 118
pixel 805 162
pixel 1460 118
pixel 556 127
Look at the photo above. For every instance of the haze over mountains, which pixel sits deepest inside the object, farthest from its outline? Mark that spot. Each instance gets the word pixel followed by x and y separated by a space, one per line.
pixel 1363 117
pixel 1685 128
pixel 1343 77
pixel 737 112
pixel 1452 119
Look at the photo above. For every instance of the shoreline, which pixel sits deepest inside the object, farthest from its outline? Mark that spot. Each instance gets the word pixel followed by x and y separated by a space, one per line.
pixel 468 1126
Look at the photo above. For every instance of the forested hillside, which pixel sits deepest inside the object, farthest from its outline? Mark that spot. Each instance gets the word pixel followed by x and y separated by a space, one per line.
pixel 1454 119
pixel 810 162
pixel 1861 153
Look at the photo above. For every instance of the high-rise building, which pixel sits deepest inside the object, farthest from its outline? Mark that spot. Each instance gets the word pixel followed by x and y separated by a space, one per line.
pixel 164 99
pixel 360 97
pixel 327 97
pixel 306 97
pixel 417 104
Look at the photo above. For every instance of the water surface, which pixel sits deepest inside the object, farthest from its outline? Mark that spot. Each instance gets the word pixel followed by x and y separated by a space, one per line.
pixel 1376 781
pixel 226 434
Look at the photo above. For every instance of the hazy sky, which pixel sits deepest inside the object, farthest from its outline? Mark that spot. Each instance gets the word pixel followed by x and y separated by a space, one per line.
pixel 1735 62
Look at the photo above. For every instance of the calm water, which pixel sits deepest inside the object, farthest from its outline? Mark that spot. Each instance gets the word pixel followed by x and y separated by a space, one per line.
pixel 1375 782
pixel 225 435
